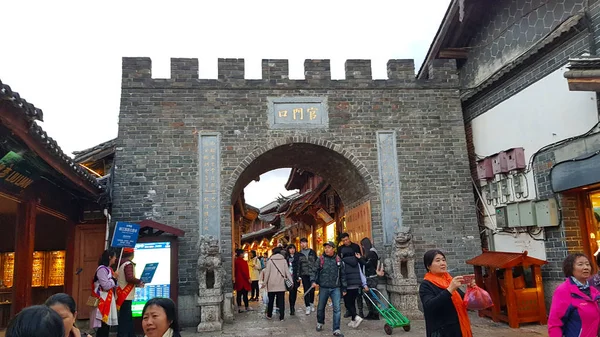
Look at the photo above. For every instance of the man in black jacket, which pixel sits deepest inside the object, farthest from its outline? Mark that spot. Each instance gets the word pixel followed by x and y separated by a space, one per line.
pixel 346 242
pixel 331 279
pixel 307 262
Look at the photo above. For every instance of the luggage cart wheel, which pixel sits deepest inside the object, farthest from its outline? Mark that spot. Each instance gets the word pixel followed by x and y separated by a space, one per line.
pixel 388 329
pixel 406 328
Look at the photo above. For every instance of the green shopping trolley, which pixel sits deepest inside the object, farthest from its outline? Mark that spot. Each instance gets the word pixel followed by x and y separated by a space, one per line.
pixel 393 317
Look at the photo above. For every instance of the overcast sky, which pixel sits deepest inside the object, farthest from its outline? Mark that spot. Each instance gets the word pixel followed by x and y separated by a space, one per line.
pixel 65 56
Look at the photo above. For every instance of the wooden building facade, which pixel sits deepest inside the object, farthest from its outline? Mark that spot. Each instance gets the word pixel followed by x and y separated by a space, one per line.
pixel 51 214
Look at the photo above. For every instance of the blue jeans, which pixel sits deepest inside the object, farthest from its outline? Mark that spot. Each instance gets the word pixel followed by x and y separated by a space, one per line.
pixel 335 295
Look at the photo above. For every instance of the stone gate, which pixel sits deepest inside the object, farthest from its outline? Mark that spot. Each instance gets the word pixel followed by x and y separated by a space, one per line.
pixel 187 147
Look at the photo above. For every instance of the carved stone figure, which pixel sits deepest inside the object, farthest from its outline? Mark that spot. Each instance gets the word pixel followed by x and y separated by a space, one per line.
pixel 209 264
pixel 210 276
pixel 403 253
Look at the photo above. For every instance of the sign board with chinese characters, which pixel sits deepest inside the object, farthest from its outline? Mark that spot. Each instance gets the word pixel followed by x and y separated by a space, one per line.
pixel 126 235
pixel 210 173
pixel 297 113
pixel 391 212
pixel 14 171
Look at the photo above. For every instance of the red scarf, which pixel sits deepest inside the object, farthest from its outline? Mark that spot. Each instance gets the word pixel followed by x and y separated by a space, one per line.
pixel 443 281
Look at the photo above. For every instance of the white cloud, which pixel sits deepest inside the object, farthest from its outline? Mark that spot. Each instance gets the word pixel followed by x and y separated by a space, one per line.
pixel 270 186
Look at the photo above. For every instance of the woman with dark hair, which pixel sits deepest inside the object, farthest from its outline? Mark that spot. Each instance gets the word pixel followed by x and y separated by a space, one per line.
pixel 243 284
pixel 293 260
pixel 273 278
pixel 574 310
pixel 65 307
pixel 355 280
pixel 255 267
pixel 371 259
pixel 104 286
pixel 443 307
pixel 159 318
pixel 36 321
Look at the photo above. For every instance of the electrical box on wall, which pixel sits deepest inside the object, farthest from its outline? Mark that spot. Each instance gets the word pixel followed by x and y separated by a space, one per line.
pixel 501 217
pixel 527 214
pixel 515 159
pixel 500 163
pixel 546 213
pixel 484 169
pixel 512 215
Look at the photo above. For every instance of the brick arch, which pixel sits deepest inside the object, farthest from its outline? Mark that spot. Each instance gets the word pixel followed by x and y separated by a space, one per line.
pixel 340 167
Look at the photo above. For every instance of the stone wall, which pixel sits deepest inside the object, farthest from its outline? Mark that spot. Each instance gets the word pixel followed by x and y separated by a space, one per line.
pixel 157 175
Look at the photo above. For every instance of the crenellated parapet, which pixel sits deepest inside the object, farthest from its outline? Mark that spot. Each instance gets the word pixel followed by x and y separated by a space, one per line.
pixel 137 73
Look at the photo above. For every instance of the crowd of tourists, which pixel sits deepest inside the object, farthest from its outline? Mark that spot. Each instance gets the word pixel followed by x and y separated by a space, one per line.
pixel 346 274
pixel 111 299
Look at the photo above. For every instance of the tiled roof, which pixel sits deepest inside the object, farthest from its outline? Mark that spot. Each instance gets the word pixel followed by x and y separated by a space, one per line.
pixel 83 155
pixel 30 113
pixel 504 260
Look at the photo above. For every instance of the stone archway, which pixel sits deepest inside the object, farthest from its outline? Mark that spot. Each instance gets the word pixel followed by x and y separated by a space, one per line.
pixel 332 162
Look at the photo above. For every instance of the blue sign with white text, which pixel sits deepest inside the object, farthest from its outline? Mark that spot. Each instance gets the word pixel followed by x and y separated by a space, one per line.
pixel 148 273
pixel 126 235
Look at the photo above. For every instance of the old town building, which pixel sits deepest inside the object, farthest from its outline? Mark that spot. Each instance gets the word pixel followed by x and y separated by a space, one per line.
pixel 51 214
pixel 187 147
pixel 532 142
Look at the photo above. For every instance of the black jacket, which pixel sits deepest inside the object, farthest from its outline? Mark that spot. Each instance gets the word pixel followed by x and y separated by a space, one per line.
pixel 371 263
pixel 352 270
pixel 354 246
pixel 307 262
pixel 331 275
pixel 295 265
pixel 441 319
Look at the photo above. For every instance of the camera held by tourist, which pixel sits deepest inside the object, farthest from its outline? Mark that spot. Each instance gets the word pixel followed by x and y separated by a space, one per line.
pixel 574 310
pixel 443 307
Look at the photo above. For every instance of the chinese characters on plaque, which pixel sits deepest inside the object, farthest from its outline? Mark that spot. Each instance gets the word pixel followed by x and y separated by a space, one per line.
pixel 391 213
pixel 209 161
pixel 298 112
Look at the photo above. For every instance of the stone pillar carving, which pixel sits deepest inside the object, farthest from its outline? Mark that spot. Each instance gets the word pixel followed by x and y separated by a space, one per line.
pixel 402 280
pixel 210 276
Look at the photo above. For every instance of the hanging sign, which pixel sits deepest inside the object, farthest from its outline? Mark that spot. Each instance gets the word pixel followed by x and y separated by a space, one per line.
pixel 14 172
pixel 126 235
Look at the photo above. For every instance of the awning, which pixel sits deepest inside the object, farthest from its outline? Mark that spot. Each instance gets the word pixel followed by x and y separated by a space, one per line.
pixel 153 228
pixel 578 172
pixel 259 233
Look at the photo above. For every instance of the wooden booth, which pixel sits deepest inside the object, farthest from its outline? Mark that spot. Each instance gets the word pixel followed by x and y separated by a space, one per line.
pixel 514 281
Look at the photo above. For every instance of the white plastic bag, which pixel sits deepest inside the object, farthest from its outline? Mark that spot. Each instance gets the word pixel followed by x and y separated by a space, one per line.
pixel 265 296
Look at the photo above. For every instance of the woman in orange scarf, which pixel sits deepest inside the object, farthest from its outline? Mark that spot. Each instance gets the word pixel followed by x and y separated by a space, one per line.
pixel 445 313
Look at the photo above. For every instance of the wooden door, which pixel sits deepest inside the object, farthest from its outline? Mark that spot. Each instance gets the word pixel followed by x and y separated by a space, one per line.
pixel 89 245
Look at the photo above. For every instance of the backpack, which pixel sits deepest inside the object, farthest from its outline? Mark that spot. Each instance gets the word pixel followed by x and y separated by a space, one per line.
pixel 322 261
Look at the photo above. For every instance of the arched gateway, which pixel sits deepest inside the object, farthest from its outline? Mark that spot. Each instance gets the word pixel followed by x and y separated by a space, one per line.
pixel 187 147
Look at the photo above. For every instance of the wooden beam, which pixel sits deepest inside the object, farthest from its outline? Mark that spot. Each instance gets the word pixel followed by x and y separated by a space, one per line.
pixel 453 53
pixel 20 128
pixel 584 84
pixel 24 245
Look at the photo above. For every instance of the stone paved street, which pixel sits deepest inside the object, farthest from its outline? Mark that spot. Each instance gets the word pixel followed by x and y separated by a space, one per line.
pixel 254 324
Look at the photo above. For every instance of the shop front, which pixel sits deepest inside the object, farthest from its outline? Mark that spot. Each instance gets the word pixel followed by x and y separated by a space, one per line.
pixel 48 243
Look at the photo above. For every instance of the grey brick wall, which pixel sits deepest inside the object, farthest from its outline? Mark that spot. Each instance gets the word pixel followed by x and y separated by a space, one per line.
pixel 156 164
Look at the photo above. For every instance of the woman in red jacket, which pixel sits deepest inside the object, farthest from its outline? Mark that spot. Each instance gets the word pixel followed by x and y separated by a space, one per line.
pixel 242 280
